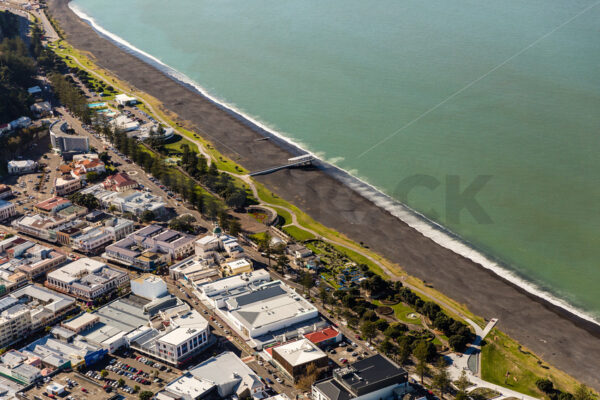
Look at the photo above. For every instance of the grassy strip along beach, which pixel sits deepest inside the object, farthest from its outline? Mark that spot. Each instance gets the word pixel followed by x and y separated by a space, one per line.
pixel 552 335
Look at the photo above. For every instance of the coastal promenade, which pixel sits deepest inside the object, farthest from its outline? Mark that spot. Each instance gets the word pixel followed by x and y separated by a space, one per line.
pixel 555 335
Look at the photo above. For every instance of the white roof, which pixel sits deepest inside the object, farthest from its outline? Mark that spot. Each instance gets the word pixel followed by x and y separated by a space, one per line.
pixel 207 239
pixel 76 323
pixel 233 282
pixel 222 369
pixel 190 386
pixel 237 264
pixel 75 270
pixel 123 97
pixel 21 163
pixel 179 335
pixel 299 352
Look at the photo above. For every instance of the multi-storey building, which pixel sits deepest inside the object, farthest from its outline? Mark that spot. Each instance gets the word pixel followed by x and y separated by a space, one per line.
pixel 86 279
pixel 7 210
pixel 151 246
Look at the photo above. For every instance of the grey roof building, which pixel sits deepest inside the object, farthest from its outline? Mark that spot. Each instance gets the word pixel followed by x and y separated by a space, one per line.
pixel 375 377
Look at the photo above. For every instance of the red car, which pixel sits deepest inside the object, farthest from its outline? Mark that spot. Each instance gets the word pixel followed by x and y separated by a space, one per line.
pixel 84 390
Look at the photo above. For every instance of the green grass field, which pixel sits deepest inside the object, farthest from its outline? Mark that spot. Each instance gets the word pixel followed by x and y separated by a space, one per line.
pixel 297 233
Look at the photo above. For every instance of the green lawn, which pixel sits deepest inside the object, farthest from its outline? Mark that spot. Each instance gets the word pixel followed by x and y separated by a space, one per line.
pixel 287 217
pixel 501 354
pixel 297 233
pixel 401 312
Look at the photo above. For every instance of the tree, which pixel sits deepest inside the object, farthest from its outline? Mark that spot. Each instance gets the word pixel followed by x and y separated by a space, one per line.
pixel 235 227
pixel 422 369
pixel 582 392
pixel 545 385
pixel 424 350
pixel 387 347
pixel 146 395
pixel 121 382
pixel 368 329
pixel 147 216
pixel 404 349
pixel 462 383
pixel 309 377
pixel 104 373
pixel 307 281
pixel 282 261
pixel 324 296
pixel 441 380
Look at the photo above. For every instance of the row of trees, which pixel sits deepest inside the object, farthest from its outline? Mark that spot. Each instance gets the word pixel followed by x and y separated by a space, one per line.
pixel 70 96
pixel 546 386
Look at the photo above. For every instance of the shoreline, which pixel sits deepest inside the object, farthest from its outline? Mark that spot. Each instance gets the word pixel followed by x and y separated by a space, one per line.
pixel 451 274
pixel 427 227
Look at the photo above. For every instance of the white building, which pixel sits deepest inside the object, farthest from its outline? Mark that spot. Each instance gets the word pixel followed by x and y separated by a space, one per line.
pixel 7 210
pixel 95 238
pixel 195 270
pixel 132 201
pixel 66 185
pixel 149 287
pixel 218 241
pixel 215 293
pixel 125 100
pixel 28 309
pixel 237 267
pixel 125 124
pixel 224 375
pixel 293 358
pixel 16 167
pixel 86 279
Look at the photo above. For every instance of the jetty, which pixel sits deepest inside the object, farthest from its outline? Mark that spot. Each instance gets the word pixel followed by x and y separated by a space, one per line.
pixel 299 161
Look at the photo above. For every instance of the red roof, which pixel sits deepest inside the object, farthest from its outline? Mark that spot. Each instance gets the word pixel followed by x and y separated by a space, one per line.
pixel 51 203
pixel 322 335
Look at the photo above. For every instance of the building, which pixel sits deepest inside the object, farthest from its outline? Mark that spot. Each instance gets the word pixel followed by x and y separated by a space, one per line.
pixel 5 191
pixel 52 205
pixel 236 267
pixel 17 367
pixel 86 279
pixel 124 100
pixel 80 169
pixel 124 124
pixel 7 210
pixel 95 238
pixel 40 226
pixel 66 185
pixel 268 308
pixel 219 377
pixel 208 245
pixel 41 109
pixel 195 270
pixel 215 293
pixel 29 309
pixel 151 246
pixel 325 337
pixel 20 123
pixel 373 378
pixel 34 91
pixel 187 336
pixel 119 182
pixel 149 287
pixel 16 167
pixel 132 201
pixel 65 143
pixel 294 358
pixel 22 259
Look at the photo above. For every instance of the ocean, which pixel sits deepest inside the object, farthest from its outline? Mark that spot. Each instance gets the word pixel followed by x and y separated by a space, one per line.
pixel 422 100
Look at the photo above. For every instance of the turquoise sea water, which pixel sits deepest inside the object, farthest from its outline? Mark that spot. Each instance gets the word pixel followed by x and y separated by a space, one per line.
pixel 509 89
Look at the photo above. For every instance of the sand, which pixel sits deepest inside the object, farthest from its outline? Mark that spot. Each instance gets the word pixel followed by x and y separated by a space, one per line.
pixel 560 338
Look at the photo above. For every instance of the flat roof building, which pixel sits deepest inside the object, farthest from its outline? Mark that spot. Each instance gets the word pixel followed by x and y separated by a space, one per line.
pixel 221 376
pixel 267 308
pixel 86 279
pixel 295 357
pixel 375 377
pixel 151 246
pixel 215 293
